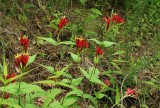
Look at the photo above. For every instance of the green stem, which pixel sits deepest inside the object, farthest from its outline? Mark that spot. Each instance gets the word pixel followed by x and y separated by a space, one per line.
pixel 19 96
pixel 58 40
pixel 93 71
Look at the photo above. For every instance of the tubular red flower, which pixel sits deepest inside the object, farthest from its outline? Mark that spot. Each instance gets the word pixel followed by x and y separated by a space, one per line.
pixel 117 19
pixel 99 51
pixel 63 21
pixel 21 59
pixel 24 59
pixel 107 82
pixel 17 61
pixel 130 91
pixel 85 44
pixel 81 43
pixel 24 42
pixel 107 21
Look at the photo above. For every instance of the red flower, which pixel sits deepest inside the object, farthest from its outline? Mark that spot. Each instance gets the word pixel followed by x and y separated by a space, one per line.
pixel 24 59
pixel 21 59
pixel 6 95
pixel 107 82
pixel 99 51
pixel 12 75
pixel 81 43
pixel 62 23
pixel 107 21
pixel 17 60
pixel 130 91
pixel 117 19
pixel 24 42
pixel 8 76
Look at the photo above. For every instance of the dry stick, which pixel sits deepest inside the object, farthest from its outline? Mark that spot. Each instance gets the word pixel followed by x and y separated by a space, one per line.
pixel 122 90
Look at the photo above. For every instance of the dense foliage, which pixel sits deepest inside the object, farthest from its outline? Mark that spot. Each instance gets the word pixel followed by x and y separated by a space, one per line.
pixel 79 53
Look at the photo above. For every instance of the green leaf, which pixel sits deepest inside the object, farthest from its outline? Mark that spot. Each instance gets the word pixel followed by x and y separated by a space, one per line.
pixel 75 91
pixel 50 40
pixel 90 18
pixel 51 95
pixel 49 68
pixel 69 100
pixel 77 81
pixel 84 73
pixel 96 11
pixel 95 72
pixel 57 104
pixel 66 43
pixel 107 43
pixel 120 52
pixel 59 73
pixel 95 40
pixel 13 88
pixel 116 66
pixel 17 76
pixel 66 81
pixel 118 98
pixel 39 94
pixel 75 57
pixel 66 85
pixel 67 75
pixel 97 81
pixel 98 95
pixel 31 59
pixel 10 103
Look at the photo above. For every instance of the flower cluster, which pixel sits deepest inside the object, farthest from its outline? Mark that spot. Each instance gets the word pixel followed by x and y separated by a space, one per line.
pixel 12 75
pixel 99 51
pixel 24 42
pixel 131 92
pixel 21 59
pixel 63 21
pixel 116 18
pixel 81 44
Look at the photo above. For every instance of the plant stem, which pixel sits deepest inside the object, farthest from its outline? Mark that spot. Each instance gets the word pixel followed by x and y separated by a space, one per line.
pixel 93 71
pixel 21 70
